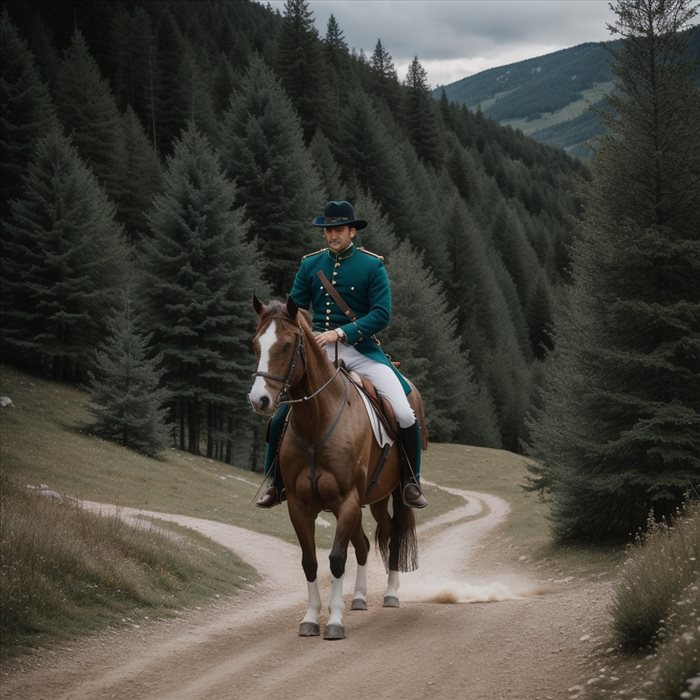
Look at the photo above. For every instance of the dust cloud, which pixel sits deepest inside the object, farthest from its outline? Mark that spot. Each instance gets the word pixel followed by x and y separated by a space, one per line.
pixel 458 592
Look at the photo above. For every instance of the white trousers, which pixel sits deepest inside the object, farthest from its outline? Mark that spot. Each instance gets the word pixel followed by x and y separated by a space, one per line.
pixel 382 376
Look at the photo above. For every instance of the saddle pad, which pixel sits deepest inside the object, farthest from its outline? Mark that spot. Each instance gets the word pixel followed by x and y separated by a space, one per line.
pixel 380 434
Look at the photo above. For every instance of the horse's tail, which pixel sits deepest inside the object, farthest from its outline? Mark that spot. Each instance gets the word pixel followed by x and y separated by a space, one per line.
pixel 398 545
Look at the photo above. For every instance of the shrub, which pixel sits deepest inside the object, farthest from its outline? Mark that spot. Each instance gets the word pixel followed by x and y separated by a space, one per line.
pixel 677 674
pixel 656 578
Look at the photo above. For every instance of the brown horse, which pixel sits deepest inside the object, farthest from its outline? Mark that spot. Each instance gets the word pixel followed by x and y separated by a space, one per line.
pixel 329 460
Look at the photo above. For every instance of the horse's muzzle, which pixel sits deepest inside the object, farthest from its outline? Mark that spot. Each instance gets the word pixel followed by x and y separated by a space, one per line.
pixel 261 404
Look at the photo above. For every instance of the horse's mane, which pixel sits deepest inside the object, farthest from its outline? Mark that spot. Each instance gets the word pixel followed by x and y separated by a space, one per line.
pixel 276 307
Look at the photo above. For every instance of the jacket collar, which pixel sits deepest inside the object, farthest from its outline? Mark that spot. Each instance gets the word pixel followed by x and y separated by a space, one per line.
pixel 344 254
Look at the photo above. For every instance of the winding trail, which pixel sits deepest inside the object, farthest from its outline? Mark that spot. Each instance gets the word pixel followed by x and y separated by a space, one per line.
pixel 527 645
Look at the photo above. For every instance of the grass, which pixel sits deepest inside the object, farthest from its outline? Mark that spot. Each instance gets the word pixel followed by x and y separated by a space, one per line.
pixel 659 568
pixel 655 617
pixel 657 606
pixel 526 530
pixel 590 96
pixel 44 443
pixel 65 570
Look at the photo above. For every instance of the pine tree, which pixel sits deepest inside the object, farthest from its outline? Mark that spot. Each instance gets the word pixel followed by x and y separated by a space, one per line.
pixel 422 117
pixel 335 46
pixel 382 63
pixel 368 153
pixel 88 110
pixel 327 166
pixel 517 255
pixel 125 384
pixel 379 236
pixel 199 278
pixel 381 80
pixel 63 261
pixel 619 433
pixel 142 176
pixel 195 104
pixel 422 336
pixel 426 199
pixel 298 62
pixel 224 82
pixel 143 64
pixel 40 41
pixel 26 111
pixel 485 321
pixel 171 110
pixel 339 74
pixel 263 149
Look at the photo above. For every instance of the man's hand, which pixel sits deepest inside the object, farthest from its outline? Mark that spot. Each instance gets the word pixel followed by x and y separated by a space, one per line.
pixel 327 337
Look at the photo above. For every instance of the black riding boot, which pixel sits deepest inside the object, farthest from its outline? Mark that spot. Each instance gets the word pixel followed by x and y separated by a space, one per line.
pixel 275 493
pixel 273 496
pixel 410 481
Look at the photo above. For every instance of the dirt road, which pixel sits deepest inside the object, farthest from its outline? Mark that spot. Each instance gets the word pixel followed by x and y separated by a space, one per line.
pixel 471 625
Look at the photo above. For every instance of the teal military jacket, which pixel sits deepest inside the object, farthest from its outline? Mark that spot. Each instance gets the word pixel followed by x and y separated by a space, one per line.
pixel 361 280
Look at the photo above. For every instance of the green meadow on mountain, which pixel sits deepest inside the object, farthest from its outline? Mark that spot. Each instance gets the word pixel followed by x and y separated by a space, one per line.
pixel 551 98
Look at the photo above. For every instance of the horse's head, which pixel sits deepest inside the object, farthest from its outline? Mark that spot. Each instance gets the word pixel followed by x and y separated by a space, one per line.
pixel 278 346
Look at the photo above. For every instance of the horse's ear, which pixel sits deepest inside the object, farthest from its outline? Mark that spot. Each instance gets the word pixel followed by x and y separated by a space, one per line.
pixel 257 305
pixel 292 308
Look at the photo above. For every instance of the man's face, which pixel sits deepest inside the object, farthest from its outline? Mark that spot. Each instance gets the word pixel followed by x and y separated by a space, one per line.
pixel 338 238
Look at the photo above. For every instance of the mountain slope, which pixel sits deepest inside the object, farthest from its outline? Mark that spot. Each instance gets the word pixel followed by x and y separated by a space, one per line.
pixel 550 98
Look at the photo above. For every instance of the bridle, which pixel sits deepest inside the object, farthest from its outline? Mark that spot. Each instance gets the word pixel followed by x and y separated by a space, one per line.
pixel 299 353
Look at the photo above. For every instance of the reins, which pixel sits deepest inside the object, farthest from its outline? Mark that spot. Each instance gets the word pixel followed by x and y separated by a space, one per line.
pixel 311 448
pixel 287 381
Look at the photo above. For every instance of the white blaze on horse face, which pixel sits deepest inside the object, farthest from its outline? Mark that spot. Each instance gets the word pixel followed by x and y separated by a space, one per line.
pixel 260 396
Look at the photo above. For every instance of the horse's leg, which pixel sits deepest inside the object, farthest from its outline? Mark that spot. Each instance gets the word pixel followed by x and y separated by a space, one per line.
pixel 347 518
pixel 387 543
pixel 361 545
pixel 304 526
pixel 403 550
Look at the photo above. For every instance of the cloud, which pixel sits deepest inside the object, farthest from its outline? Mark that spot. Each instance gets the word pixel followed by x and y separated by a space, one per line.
pixel 455 38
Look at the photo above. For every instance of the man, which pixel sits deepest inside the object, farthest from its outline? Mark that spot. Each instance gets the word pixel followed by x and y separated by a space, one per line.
pixel 361 280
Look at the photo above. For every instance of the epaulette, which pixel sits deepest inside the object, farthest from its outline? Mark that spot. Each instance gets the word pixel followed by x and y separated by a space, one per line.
pixel 316 252
pixel 369 252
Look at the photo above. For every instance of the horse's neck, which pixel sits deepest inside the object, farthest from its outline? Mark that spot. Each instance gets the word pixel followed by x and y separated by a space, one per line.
pixel 319 372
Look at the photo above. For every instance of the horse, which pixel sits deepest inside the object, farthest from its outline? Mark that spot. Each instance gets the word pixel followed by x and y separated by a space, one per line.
pixel 329 460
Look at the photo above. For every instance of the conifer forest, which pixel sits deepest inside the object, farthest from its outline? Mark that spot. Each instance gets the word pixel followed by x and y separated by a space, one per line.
pixel 162 161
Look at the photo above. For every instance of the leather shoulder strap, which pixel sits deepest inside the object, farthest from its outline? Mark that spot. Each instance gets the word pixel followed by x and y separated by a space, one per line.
pixel 336 296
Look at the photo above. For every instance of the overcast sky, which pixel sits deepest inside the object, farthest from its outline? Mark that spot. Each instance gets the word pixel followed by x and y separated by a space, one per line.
pixel 457 38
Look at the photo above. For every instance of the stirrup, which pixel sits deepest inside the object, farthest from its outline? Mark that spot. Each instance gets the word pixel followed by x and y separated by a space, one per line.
pixel 413 496
pixel 271 497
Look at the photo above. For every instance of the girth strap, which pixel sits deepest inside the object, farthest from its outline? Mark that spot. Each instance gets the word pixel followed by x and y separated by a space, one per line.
pixel 313 449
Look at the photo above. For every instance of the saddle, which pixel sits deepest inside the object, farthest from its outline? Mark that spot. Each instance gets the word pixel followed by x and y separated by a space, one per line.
pixel 384 409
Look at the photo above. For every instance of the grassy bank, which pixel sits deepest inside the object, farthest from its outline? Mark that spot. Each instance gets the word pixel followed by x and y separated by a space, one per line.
pixel 65 570
pixel 655 616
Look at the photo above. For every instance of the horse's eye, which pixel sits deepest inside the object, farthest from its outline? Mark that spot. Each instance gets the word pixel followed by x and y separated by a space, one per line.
pixel 286 347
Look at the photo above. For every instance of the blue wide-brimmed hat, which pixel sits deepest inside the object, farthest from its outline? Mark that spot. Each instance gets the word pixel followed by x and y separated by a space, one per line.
pixel 338 214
